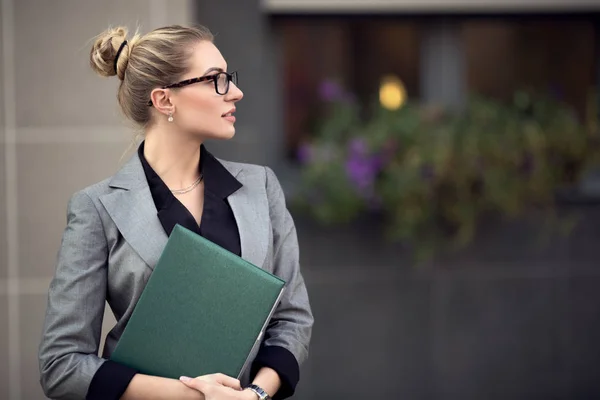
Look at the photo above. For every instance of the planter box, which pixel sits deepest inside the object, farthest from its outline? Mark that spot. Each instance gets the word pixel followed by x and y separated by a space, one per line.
pixel 503 319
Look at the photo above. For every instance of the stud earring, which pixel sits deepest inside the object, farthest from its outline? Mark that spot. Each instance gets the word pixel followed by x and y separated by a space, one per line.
pixel 170 119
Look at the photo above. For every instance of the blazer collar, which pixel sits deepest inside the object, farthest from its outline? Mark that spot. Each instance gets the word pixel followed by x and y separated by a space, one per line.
pixel 133 211
pixel 132 175
pixel 217 179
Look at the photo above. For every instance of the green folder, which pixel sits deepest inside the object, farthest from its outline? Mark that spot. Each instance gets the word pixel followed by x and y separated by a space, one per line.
pixel 202 311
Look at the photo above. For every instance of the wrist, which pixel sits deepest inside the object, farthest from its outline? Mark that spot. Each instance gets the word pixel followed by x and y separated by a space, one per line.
pixel 258 392
pixel 250 395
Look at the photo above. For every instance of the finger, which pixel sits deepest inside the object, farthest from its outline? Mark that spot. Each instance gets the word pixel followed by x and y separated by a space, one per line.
pixel 197 384
pixel 228 381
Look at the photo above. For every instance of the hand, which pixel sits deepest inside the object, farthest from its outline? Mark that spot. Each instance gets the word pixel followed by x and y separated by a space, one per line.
pixel 218 387
pixel 214 379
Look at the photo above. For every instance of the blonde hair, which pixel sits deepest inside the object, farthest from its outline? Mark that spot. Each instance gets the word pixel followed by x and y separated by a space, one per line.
pixel 145 62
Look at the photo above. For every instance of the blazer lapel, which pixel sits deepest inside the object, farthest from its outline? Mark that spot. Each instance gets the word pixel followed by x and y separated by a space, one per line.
pixel 133 212
pixel 132 209
pixel 252 222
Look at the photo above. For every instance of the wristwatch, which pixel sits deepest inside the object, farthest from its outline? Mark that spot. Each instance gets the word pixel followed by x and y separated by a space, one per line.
pixel 262 395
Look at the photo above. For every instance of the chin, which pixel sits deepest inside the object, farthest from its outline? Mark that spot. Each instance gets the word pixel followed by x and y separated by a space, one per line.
pixel 229 134
pixel 224 135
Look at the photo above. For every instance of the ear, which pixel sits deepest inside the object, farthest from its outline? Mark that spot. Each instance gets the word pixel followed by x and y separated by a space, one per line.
pixel 162 101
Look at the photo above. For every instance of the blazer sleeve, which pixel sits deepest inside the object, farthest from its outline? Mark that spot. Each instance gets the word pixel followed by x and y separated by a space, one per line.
pixel 290 328
pixel 72 328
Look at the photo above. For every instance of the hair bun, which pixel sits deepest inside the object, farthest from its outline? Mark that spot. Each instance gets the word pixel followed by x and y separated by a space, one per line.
pixel 103 56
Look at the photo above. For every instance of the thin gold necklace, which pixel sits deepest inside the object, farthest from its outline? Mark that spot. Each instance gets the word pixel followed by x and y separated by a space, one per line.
pixel 189 188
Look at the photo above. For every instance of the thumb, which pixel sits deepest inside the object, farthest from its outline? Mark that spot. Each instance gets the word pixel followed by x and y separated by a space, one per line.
pixel 228 381
pixel 197 384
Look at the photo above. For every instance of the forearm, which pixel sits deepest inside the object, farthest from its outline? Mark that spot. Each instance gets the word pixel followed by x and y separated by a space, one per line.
pixel 146 387
pixel 268 380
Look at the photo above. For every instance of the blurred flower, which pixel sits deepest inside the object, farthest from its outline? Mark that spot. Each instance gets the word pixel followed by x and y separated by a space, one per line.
pixel 360 171
pixel 451 153
pixel 362 167
pixel 330 91
pixel 304 153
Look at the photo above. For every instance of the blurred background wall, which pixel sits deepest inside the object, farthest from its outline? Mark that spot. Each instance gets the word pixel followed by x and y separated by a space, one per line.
pixel 499 320
pixel 61 131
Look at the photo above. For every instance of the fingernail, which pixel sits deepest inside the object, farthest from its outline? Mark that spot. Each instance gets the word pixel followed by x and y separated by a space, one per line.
pixel 185 378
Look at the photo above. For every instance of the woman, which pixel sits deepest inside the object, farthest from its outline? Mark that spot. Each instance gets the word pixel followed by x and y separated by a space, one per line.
pixel 175 86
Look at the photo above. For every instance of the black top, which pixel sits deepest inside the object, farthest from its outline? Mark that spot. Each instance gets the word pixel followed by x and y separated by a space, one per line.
pixel 219 226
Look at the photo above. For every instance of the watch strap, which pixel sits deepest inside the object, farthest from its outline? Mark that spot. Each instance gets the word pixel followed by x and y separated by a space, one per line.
pixel 262 395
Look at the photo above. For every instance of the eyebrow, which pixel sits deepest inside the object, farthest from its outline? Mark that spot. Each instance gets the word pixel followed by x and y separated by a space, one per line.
pixel 217 69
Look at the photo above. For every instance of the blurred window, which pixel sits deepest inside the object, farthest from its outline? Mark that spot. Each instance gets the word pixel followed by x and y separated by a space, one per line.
pixel 503 54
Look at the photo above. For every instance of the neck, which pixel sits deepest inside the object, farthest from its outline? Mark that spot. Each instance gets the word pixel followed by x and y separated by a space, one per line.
pixel 173 156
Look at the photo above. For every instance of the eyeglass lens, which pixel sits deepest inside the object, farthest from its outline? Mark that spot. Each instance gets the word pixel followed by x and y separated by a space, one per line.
pixel 223 82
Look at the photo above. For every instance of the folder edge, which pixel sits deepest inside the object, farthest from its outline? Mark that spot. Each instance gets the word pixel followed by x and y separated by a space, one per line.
pixel 261 333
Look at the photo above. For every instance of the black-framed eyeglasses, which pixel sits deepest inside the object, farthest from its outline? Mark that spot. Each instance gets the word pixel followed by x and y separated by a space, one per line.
pixel 220 80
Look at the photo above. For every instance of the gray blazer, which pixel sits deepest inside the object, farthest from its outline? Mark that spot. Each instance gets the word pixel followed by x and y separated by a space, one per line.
pixel 111 243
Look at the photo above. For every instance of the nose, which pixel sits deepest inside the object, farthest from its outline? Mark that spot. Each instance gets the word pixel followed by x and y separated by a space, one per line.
pixel 234 93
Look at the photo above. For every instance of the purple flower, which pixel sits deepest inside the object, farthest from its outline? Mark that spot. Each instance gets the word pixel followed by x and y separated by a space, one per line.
pixel 361 172
pixel 361 167
pixel 305 153
pixel 331 91
pixel 378 162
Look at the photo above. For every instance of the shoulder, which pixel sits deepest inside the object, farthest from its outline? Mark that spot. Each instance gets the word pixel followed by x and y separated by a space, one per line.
pixel 90 195
pixel 97 189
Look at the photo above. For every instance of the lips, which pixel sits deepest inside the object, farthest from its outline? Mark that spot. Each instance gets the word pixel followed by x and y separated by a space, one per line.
pixel 229 116
pixel 229 113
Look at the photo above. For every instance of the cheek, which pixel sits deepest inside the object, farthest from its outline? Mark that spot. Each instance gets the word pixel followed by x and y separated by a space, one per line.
pixel 200 108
